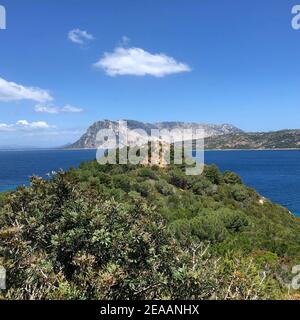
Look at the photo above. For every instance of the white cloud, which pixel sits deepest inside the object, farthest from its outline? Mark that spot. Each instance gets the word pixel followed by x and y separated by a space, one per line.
pixel 22 125
pixel 46 109
pixel 71 109
pixel 4 126
pixel 80 36
pixel 10 91
pixel 54 109
pixel 138 62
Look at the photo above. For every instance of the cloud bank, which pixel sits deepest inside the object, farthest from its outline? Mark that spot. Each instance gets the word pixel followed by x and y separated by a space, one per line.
pixel 24 125
pixel 10 91
pixel 55 110
pixel 138 62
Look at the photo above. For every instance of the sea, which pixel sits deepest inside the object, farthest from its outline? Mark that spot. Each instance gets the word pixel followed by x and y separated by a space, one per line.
pixel 274 174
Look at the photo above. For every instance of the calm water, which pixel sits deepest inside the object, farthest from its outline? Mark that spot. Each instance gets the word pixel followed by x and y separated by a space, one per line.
pixel 275 174
pixel 16 167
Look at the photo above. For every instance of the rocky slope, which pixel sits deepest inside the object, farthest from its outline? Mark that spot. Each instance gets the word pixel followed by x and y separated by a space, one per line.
pixel 88 140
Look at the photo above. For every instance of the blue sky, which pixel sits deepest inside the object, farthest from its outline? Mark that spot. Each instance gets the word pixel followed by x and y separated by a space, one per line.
pixel 223 61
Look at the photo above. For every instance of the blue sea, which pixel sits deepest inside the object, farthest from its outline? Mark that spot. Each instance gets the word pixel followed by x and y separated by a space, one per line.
pixel 274 174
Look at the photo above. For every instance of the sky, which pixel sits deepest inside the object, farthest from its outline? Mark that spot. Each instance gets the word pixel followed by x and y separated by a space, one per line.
pixel 65 64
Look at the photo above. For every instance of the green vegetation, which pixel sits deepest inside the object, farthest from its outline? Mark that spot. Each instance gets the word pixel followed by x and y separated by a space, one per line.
pixel 284 139
pixel 134 232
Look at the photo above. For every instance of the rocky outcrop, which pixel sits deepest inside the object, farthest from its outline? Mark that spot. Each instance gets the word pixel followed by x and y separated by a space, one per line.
pixel 89 139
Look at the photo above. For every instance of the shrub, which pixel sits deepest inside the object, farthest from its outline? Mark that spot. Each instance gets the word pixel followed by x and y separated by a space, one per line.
pixel 233 220
pixel 213 174
pixel 122 181
pixel 164 188
pixel 69 251
pixel 208 228
pixel 239 192
pixel 179 179
pixel 144 188
pixel 204 187
pixel 231 178
pixel 147 173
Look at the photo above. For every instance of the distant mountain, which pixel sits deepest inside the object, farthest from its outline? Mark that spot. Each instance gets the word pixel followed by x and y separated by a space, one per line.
pixel 284 139
pixel 17 148
pixel 88 140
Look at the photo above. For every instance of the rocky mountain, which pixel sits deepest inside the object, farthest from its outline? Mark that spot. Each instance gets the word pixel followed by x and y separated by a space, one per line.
pixel 88 140
pixel 284 139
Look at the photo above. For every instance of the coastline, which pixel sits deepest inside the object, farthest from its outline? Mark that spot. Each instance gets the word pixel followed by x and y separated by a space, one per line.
pixel 88 154
pixel 268 149
pixel 277 149
pixel 90 149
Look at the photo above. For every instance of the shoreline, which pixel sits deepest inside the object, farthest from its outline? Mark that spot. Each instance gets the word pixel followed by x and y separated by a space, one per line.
pixel 206 150
pixel 57 152
pixel 278 149
pixel 269 149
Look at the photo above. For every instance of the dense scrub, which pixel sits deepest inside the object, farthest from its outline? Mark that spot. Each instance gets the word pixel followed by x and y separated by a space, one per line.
pixel 133 232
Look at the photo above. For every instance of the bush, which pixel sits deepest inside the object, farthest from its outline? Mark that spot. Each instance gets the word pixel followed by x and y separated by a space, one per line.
pixel 3 198
pixel 181 229
pixel 213 174
pixel 147 173
pixel 121 181
pixel 239 192
pixel 204 187
pixel 208 228
pixel 231 178
pixel 233 220
pixel 164 188
pixel 179 179
pixel 69 251
pixel 144 188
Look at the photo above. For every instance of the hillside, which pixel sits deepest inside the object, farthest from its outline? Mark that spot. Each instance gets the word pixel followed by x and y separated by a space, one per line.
pixel 220 137
pixel 88 140
pixel 285 139
pixel 134 232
